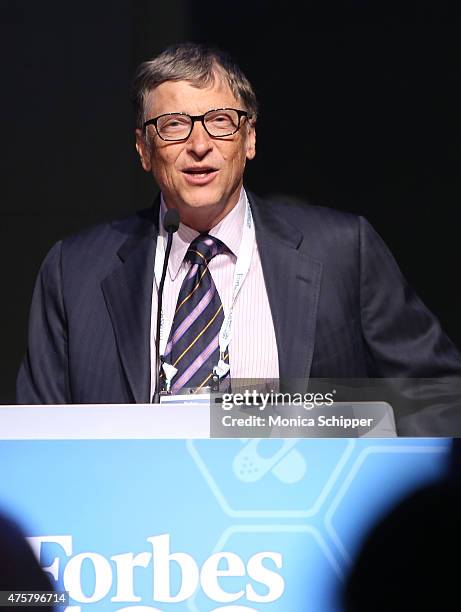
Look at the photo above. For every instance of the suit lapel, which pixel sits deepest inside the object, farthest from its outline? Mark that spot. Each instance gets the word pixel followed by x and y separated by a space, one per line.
pixel 128 295
pixel 292 280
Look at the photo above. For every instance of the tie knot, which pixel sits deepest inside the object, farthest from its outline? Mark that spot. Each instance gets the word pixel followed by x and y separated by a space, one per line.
pixel 204 248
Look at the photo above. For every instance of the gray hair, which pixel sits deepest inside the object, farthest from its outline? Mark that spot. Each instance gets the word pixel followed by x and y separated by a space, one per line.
pixel 196 63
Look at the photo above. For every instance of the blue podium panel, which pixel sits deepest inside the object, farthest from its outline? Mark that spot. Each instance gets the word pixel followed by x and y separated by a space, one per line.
pixel 206 525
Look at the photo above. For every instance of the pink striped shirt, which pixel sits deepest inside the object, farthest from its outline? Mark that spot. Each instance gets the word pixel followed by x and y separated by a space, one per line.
pixel 253 348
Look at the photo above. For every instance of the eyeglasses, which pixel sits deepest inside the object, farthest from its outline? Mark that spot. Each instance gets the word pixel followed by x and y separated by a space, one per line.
pixel 218 122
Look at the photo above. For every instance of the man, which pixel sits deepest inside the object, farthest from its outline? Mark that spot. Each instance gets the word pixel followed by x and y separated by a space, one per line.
pixel 282 290
pixel 405 561
pixel 19 569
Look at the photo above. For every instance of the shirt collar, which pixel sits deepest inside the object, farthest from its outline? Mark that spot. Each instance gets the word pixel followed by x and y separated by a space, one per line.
pixel 228 230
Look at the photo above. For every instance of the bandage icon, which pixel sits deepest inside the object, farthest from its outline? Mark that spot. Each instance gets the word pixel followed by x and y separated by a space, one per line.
pixel 261 456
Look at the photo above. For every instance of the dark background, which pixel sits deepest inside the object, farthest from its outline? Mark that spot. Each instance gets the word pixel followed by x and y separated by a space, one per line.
pixel 378 85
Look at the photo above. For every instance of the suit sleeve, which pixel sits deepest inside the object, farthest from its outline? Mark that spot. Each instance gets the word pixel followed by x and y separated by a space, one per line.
pixel 406 341
pixel 43 375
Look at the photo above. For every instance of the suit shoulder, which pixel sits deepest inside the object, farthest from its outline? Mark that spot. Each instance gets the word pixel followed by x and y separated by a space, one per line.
pixel 318 224
pixel 95 248
pixel 112 232
pixel 304 210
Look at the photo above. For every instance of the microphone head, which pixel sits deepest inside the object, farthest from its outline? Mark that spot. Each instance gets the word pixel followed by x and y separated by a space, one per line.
pixel 171 221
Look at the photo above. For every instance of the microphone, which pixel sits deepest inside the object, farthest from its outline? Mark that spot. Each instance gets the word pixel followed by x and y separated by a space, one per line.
pixel 171 225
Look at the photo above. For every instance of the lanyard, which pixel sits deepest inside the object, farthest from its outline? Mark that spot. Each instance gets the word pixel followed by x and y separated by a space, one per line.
pixel 242 267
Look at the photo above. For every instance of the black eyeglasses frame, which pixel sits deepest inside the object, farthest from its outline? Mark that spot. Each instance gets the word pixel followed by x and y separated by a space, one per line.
pixel 201 118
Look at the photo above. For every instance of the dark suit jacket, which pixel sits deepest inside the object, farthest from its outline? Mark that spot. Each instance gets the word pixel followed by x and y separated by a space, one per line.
pixel 340 308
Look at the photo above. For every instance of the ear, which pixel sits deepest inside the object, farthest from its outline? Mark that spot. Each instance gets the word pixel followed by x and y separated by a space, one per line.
pixel 143 150
pixel 251 142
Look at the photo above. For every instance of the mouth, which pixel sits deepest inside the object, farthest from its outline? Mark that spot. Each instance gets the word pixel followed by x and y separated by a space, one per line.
pixel 199 175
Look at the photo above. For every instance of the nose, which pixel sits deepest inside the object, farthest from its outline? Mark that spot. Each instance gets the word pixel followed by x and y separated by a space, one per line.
pixel 199 142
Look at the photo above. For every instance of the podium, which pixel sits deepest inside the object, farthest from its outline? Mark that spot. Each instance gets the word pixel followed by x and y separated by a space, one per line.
pixel 194 419
pixel 104 421
pixel 135 507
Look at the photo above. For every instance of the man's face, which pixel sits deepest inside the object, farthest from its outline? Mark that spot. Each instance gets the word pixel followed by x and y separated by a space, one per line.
pixel 200 197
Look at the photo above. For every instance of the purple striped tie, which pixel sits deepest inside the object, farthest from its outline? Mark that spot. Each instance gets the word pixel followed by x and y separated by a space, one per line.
pixel 193 342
